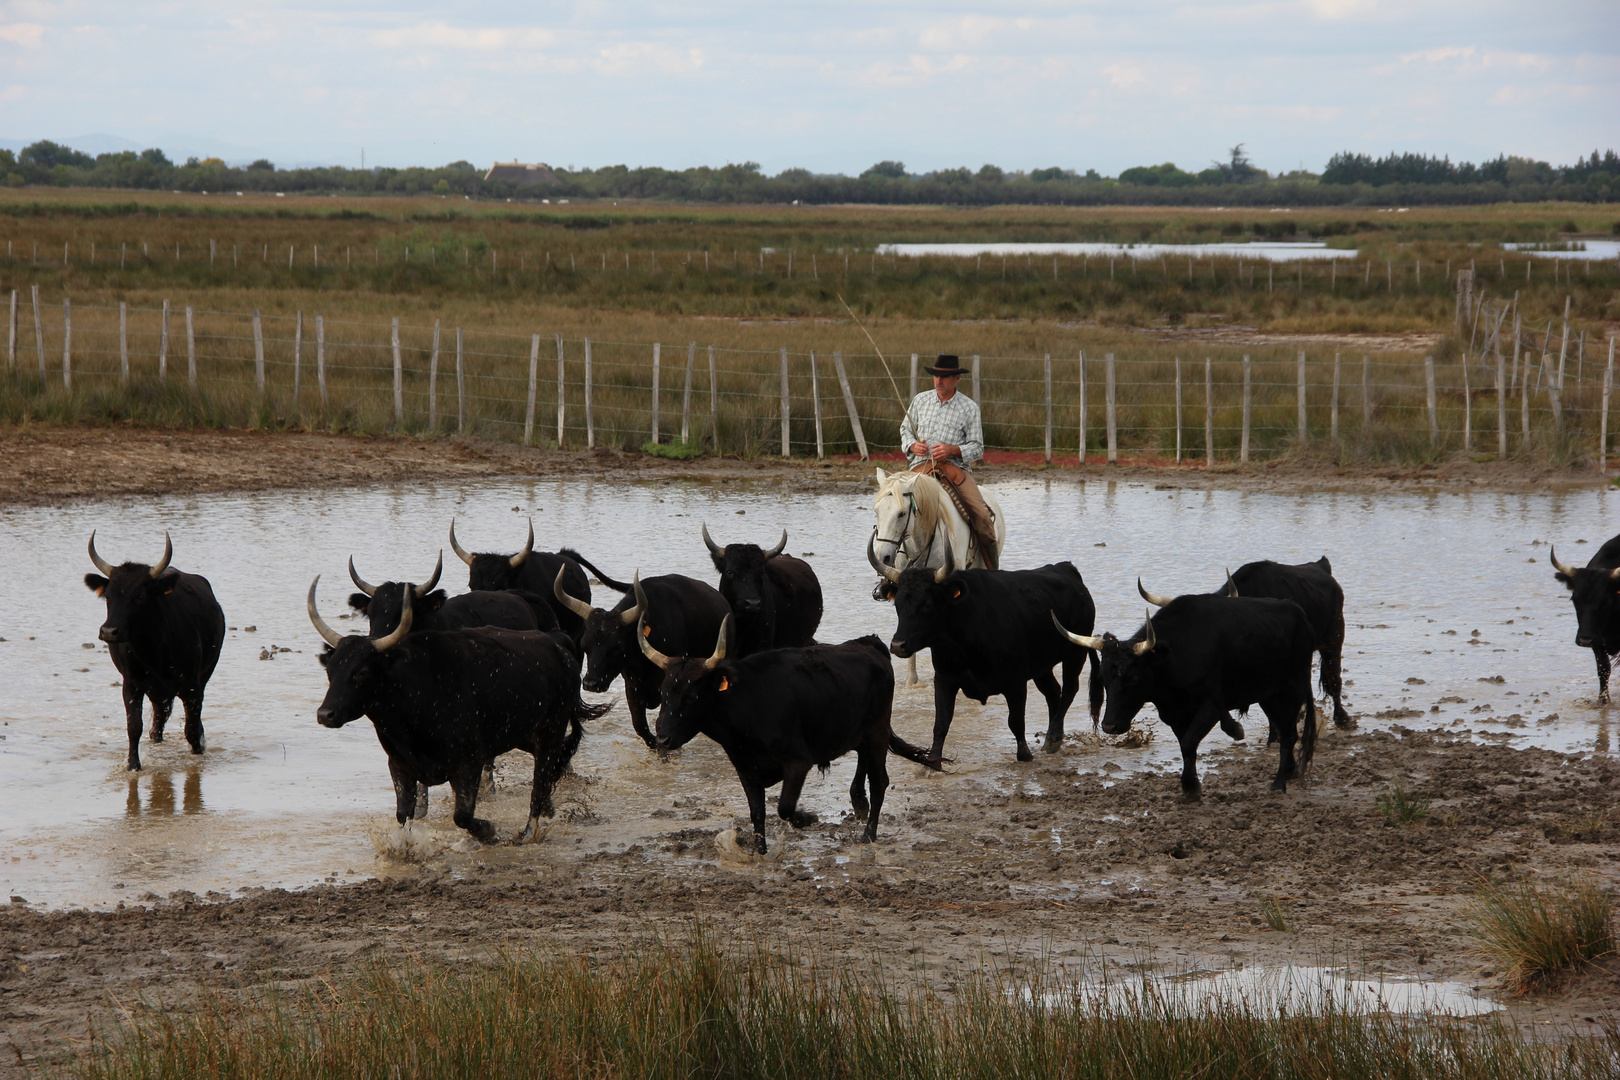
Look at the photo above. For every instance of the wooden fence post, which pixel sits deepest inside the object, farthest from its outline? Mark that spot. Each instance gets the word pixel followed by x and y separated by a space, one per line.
pixel 976 396
pixel 590 417
pixel 433 377
pixel 787 448
pixel 1555 387
pixel 1209 412
pixel 191 349
pixel 1108 402
pixel 1501 405
pixel 815 403
pixel 298 355
pixel 1603 423
pixel 658 351
pixel 913 376
pixel 461 392
pixel 1082 451
pixel 534 383
pixel 849 403
pixel 1468 408
pixel 560 381
pixel 399 379
pixel 686 393
pixel 163 345
pixel 1524 407
pixel 1434 415
pixel 39 334
pixel 67 344
pixel 1301 393
pixel 1049 408
pixel 123 342
pixel 1333 422
pixel 714 401
pixel 1563 348
pixel 320 358
pixel 11 335
pixel 1248 402
pixel 1366 398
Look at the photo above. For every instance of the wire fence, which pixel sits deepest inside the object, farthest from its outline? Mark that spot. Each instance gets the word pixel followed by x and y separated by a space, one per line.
pixel 1224 404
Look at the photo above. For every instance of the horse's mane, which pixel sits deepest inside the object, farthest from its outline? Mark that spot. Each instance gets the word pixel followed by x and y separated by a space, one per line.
pixel 933 505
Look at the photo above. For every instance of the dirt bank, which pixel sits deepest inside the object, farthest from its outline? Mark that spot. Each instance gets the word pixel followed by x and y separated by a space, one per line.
pixel 46 465
pixel 1076 861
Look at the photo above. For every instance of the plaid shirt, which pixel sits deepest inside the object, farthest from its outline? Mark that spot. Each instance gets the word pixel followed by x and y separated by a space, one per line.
pixel 954 421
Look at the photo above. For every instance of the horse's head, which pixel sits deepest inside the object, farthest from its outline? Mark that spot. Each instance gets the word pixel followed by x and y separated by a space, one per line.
pixel 910 509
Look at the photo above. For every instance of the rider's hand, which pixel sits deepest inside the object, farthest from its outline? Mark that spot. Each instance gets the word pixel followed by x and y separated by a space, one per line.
pixel 940 451
pixel 920 449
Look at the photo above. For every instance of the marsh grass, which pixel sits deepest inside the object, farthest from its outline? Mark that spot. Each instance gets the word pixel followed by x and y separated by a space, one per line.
pixel 1538 932
pixel 699 1009
pixel 1401 807
pixel 1275 914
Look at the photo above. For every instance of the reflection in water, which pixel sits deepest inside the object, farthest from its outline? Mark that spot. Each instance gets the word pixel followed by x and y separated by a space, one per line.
pixel 160 794
pixel 1602 744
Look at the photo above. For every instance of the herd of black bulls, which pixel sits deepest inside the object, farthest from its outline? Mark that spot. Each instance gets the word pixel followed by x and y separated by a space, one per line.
pixel 450 683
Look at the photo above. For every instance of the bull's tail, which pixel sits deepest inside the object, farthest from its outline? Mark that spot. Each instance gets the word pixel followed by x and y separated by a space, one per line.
pixel 579 711
pixel 616 586
pixel 916 753
pixel 1307 741
pixel 1096 689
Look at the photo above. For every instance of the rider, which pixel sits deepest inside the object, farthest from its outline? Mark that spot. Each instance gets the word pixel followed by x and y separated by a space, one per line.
pixel 943 435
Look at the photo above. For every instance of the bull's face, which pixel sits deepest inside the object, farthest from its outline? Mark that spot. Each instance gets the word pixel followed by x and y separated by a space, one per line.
pixel 492 572
pixel 926 607
pixel 603 644
pixel 131 593
pixel 355 671
pixel 742 572
pixel 689 690
pixel 1596 596
pixel 1126 676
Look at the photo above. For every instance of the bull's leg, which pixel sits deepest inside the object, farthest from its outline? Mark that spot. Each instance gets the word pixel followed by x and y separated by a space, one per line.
pixel 1016 696
pixel 192 704
pixel 638 714
pixel 421 801
pixel 944 710
pixel 1057 703
pixel 486 779
pixel 1283 712
pixel 549 764
pixel 1333 686
pixel 911 670
pixel 134 702
pixel 1202 722
pixel 877 772
pixel 756 810
pixel 1232 728
pixel 857 790
pixel 161 708
pixel 1096 701
pixel 464 782
pixel 1601 652
pixel 405 794
pixel 787 804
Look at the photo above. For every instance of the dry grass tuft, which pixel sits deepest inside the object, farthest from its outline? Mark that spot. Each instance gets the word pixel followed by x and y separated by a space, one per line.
pixel 1536 932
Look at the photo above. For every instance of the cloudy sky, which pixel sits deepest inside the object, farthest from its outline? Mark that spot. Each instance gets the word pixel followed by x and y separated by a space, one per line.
pixel 832 86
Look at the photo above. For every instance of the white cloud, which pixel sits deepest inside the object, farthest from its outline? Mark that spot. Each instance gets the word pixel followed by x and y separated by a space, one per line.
pixel 441 35
pixel 28 35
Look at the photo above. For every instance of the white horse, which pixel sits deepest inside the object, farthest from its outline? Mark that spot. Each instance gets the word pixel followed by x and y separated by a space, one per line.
pixel 916 520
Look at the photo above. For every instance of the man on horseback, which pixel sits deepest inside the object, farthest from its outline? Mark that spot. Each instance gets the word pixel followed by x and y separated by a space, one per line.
pixel 943 435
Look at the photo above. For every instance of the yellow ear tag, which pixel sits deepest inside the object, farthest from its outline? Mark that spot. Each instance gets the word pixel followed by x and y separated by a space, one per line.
pixel 646 631
pixel 102 591
pixel 725 683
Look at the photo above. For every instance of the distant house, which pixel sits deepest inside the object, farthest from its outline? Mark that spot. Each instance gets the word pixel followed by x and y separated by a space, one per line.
pixel 516 172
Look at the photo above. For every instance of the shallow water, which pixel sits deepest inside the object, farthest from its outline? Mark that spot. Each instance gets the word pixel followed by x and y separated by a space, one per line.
pixel 1261 252
pixel 1587 250
pixel 1444 594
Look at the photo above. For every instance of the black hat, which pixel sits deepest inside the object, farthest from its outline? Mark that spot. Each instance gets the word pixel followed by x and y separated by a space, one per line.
pixel 946 364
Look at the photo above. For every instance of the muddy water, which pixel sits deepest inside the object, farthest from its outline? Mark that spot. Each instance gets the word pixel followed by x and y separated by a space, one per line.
pixel 1454 621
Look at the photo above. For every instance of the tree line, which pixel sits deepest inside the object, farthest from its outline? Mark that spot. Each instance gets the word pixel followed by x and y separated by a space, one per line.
pixel 1349 179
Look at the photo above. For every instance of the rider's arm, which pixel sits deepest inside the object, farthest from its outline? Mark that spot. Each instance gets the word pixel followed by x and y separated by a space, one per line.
pixel 972 445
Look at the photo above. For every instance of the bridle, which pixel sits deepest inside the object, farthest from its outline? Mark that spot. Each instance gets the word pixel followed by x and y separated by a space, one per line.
pixel 899 541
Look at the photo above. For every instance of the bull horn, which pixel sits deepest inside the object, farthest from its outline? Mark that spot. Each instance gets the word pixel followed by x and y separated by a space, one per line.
pixel 461 552
pixel 1079 639
pixel 889 573
pixel 948 568
pixel 1153 598
pixel 1146 645
pixel 432 582
pixel 331 636
pixel 1562 568
pixel 777 550
pixel 168 553
pixel 647 649
pixel 388 641
pixel 1614 575
pixel 360 582
pixel 572 603
pixel 1231 586
pixel 714 549
pixel 640 608
pixel 719 653
pixel 528 546
pixel 101 564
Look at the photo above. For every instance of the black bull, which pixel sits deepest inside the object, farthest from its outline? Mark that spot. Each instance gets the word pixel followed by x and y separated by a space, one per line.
pixel 445 702
pixel 509 609
pixel 1595 592
pixel 692 612
pixel 775 599
pixel 1199 657
pixel 164 630
pixel 1313 587
pixel 991 633
pixel 533 572
pixel 779 712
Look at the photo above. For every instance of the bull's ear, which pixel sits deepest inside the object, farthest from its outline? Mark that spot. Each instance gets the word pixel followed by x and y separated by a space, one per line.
pixel 1558 575
pixel 326 654
pixel 359 601
pixel 435 599
pixel 96 584
pixel 887 589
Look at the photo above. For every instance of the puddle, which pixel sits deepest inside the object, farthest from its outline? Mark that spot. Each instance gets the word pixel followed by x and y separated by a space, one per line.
pixel 1289 991
pixel 278 800
pixel 1589 250
pixel 1260 252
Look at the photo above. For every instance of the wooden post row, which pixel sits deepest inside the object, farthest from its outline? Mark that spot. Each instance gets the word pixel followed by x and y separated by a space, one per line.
pixel 849 403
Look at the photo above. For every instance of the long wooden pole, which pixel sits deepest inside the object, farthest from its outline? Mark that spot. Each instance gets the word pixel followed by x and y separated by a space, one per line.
pixel 163 345
pixel 1082 453
pixel 258 355
pixel 590 416
pixel 433 377
pixel 399 378
pixel 1434 413
pixel 686 392
pixel 1501 405
pixel 787 446
pixel 1243 446
pixel 714 404
pixel 1209 412
pixel 39 333
pixel 658 352
pixel 461 390
pixel 320 356
pixel 1603 424
pixel 1468 409
pixel 1048 408
pixel 815 403
pixel 849 403
pixel 561 384
pixel 534 386
pixel 1178 410
pixel 1108 410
